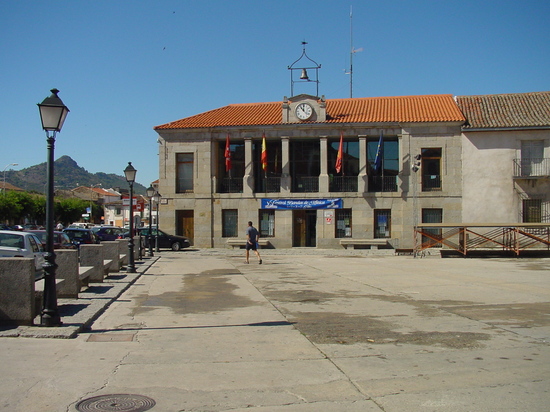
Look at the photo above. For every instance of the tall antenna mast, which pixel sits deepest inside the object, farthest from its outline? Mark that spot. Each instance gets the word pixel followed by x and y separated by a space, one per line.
pixel 352 51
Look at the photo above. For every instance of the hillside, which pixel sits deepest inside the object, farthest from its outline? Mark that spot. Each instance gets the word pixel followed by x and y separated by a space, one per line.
pixel 67 175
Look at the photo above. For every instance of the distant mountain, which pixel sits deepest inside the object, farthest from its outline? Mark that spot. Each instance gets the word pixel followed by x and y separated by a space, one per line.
pixel 67 175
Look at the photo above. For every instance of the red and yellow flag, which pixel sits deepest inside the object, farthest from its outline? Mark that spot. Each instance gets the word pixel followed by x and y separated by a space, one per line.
pixel 338 165
pixel 264 154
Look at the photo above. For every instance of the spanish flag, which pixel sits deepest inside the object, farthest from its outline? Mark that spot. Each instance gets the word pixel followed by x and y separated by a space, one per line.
pixel 264 154
pixel 338 165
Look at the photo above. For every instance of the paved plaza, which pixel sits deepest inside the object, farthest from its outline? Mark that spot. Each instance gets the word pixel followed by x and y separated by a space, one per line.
pixel 308 330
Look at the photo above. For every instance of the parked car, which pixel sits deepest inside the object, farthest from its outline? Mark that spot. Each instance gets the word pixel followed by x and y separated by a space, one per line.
pixel 105 233
pixel 81 236
pixel 60 240
pixel 165 240
pixel 32 226
pixel 23 244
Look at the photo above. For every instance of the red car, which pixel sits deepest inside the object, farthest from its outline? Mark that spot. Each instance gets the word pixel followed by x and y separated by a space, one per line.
pixel 60 239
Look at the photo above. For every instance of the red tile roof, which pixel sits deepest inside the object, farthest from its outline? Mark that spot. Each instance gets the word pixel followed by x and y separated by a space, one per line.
pixel 506 110
pixel 430 108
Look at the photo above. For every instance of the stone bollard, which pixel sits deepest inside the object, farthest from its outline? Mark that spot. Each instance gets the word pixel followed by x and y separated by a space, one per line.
pixel 67 268
pixel 92 255
pixel 17 296
pixel 137 248
pixel 123 250
pixel 110 252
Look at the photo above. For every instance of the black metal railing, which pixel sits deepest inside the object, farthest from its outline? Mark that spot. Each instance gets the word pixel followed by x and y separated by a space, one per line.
pixel 534 167
pixel 269 185
pixel 343 184
pixel 383 184
pixel 305 184
pixel 431 183
pixel 231 185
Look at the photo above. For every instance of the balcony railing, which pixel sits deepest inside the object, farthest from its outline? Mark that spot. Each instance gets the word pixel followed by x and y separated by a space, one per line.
pixel 231 185
pixel 431 183
pixel 534 167
pixel 269 185
pixel 343 184
pixel 383 184
pixel 303 184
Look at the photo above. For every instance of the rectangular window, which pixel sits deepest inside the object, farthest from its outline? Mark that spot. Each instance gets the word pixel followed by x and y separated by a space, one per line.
pixel 305 165
pixel 383 173
pixel 431 169
pixel 343 223
pixel 231 181
pixel 532 158
pixel 269 180
pixel 267 223
pixel 118 211
pixel 432 216
pixel 230 223
pixel 382 223
pixel 184 172
pixel 346 179
pixel 532 210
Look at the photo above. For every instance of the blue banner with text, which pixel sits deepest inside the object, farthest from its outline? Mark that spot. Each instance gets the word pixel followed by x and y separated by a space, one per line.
pixel 301 203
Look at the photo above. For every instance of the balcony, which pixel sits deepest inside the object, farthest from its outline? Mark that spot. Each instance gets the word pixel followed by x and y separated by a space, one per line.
pixel 532 168
pixel 231 185
pixel 343 184
pixel 269 185
pixel 431 183
pixel 383 184
pixel 305 184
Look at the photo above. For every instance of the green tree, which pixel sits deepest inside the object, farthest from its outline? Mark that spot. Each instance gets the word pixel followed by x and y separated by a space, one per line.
pixel 10 209
pixel 70 209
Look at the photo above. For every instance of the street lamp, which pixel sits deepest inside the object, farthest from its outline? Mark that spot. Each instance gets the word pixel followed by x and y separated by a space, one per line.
pixel 5 168
pixel 130 174
pixel 52 114
pixel 156 199
pixel 150 194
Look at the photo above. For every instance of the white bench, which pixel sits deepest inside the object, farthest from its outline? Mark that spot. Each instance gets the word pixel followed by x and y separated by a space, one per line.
pixel 241 243
pixel 350 243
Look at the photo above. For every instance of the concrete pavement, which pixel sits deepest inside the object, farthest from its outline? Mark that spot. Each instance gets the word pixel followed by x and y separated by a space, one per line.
pixel 309 330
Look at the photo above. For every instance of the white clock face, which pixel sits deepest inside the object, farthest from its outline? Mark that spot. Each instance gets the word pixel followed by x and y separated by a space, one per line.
pixel 304 111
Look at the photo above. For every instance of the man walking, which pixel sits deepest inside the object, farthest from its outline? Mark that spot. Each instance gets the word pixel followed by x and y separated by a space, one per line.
pixel 252 237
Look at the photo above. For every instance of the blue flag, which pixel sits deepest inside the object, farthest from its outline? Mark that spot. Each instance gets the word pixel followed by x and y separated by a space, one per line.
pixel 378 161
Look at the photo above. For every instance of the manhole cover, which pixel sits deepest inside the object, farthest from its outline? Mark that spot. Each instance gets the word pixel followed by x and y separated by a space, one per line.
pixel 117 402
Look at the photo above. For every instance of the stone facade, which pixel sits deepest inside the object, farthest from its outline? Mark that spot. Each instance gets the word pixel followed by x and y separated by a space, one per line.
pixel 469 159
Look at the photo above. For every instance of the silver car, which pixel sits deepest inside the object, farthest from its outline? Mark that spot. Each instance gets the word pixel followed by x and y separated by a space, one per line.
pixel 23 244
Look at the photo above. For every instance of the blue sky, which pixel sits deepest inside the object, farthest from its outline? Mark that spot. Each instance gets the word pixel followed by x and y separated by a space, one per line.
pixel 124 67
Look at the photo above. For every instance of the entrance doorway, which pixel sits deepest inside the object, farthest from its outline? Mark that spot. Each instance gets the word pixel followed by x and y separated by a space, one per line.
pixel 304 228
pixel 185 224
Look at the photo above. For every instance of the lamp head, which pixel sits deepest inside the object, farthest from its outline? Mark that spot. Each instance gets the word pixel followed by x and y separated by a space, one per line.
pixel 156 197
pixel 130 173
pixel 53 112
pixel 150 192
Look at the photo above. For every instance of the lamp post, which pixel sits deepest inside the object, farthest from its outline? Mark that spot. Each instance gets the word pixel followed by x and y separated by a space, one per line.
pixel 52 114
pixel 5 168
pixel 130 174
pixel 156 199
pixel 150 194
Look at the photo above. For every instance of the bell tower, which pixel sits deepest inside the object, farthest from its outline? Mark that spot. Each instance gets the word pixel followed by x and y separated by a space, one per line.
pixel 302 65
pixel 304 108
